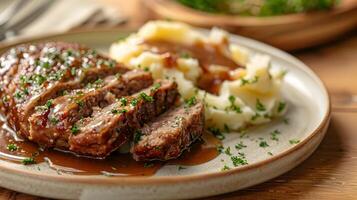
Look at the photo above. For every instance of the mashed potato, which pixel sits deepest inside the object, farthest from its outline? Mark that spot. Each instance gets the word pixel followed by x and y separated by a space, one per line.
pixel 250 96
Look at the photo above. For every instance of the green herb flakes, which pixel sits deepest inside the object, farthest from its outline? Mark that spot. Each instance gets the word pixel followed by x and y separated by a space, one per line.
pixel 294 141
pixel 281 107
pixel 238 161
pixel 225 168
pixel 263 144
pixel 75 129
pixel 259 106
pixel 217 133
pixel 49 103
pixel 134 102
pixel 28 161
pixel 137 136
pixel 274 135
pixel 148 165
pixel 12 147
pixel 191 101
pixel 228 151
pixel 220 149
pixel 240 145
pixel 123 101
pixel 146 97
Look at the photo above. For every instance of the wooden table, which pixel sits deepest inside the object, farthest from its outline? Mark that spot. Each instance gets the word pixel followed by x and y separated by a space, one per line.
pixel 331 172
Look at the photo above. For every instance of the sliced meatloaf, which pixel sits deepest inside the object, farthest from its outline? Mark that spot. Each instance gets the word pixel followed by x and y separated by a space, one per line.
pixel 167 136
pixel 50 122
pixel 33 74
pixel 113 125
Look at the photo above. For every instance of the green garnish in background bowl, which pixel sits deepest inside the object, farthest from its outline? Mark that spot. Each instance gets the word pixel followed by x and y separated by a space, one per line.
pixel 259 7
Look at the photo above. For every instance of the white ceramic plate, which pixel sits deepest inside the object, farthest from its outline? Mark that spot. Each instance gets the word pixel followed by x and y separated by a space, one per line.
pixel 308 114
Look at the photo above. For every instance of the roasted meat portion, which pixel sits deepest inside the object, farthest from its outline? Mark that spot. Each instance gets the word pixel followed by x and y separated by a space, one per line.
pixel 33 74
pixel 69 97
pixel 50 121
pixel 168 135
pixel 113 125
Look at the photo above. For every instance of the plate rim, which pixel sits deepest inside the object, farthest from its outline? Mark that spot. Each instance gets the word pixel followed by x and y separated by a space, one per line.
pixel 143 180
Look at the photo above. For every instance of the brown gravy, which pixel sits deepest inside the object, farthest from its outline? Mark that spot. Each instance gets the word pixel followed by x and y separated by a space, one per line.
pixel 122 164
pixel 206 54
pixel 115 165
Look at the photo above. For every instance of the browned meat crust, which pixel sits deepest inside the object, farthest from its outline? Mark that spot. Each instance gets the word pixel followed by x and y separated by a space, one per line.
pixel 112 126
pixel 49 124
pixel 68 96
pixel 167 136
pixel 33 74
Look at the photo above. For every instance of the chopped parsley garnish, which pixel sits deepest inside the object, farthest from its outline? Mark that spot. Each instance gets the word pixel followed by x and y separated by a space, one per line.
pixel 256 116
pixel 270 153
pixel 146 69
pixel 263 144
pixel 28 161
pixel 115 111
pixel 217 133
pixel 240 145
pixel 294 141
pixel 181 168
pixel 146 97
pixel 79 102
pixel 48 104
pixel 98 81
pixel 18 95
pixel 12 147
pixel 274 135
pixel 286 121
pixel 225 168
pixel 110 63
pixel 148 165
pixel 123 101
pixel 228 151
pixel 45 64
pixel 75 129
pixel 281 107
pixel 134 102
pixel 155 87
pixel 237 161
pixel 233 106
pixel 259 106
pixel 249 81
pixel 38 79
pixel 73 71
pixel 54 120
pixel 191 101
pixel 220 148
pixel 137 136
pixel 25 91
pixel 23 80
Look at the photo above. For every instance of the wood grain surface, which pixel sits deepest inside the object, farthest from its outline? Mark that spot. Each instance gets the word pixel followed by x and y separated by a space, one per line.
pixel 331 172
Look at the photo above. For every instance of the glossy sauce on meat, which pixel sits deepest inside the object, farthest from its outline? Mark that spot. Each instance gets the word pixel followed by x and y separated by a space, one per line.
pixel 114 165
pixel 206 54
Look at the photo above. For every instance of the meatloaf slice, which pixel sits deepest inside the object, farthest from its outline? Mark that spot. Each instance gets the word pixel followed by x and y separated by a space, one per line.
pixel 33 74
pixel 167 136
pixel 49 123
pixel 113 126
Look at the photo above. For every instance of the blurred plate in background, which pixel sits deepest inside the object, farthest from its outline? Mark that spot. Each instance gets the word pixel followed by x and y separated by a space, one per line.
pixel 288 32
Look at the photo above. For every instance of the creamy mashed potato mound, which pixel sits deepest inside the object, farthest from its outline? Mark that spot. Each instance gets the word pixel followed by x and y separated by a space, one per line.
pixel 250 96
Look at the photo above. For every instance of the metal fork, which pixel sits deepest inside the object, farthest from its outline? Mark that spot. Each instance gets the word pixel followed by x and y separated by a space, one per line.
pixel 11 11
pixel 13 29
